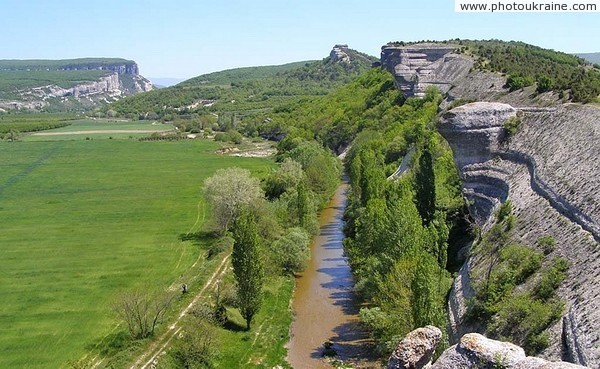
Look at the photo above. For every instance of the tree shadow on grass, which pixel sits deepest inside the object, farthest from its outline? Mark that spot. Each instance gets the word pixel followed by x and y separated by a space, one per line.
pixel 233 326
pixel 200 237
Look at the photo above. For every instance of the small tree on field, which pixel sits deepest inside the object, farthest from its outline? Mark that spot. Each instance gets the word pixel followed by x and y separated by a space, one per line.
pixel 142 311
pixel 228 191
pixel 247 266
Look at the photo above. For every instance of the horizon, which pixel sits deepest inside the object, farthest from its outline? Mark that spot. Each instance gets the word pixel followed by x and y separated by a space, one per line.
pixel 182 41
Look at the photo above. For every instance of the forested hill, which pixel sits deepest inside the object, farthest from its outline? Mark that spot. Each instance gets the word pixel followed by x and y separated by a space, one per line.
pixel 250 88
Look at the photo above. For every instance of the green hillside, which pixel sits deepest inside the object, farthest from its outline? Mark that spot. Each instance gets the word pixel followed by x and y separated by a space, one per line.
pixel 41 64
pixel 242 74
pixel 248 88
pixel 526 65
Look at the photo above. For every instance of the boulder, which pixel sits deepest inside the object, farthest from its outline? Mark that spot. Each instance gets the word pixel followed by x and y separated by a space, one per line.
pixel 416 349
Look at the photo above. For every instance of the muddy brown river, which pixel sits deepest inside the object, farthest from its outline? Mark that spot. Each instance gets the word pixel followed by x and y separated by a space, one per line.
pixel 324 305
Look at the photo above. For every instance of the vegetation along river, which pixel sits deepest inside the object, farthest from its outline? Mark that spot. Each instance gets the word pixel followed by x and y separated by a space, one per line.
pixel 324 305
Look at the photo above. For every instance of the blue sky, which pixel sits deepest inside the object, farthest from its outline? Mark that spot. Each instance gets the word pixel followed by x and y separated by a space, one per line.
pixel 183 39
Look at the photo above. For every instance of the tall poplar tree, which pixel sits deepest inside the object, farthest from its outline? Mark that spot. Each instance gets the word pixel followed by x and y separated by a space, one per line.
pixel 247 266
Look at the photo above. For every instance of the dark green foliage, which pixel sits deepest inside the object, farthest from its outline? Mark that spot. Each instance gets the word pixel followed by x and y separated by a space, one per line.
pixel 547 243
pixel 518 82
pixel 247 265
pixel 32 122
pixel 504 211
pixel 229 136
pixel 551 279
pixel 511 127
pixel 526 64
pixel 504 301
pixel 425 187
pixel 396 231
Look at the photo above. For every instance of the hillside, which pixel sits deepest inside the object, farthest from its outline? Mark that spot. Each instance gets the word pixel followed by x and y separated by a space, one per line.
pixel 250 88
pixel 67 85
pixel 526 157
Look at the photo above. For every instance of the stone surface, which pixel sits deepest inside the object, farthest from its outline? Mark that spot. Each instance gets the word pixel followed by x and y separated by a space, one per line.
pixel 339 54
pixel 475 132
pixel 416 349
pixel 477 351
pixel 473 351
pixel 419 66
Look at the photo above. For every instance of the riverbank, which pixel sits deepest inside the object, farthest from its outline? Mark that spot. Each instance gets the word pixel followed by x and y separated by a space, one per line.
pixel 324 306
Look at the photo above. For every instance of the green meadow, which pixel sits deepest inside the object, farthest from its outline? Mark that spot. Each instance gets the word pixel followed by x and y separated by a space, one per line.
pixel 83 220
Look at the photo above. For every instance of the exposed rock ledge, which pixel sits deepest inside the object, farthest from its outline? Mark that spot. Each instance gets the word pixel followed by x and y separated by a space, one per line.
pixel 549 171
pixel 473 351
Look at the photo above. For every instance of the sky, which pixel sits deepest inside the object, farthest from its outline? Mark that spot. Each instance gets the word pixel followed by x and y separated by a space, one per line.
pixel 184 39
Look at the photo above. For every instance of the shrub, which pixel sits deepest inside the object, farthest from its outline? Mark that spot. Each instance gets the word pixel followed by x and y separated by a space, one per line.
pixel 504 211
pixel 551 279
pixel 511 126
pixel 547 244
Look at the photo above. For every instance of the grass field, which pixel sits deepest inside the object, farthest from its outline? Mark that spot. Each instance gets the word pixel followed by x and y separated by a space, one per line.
pixel 83 220
pixel 86 129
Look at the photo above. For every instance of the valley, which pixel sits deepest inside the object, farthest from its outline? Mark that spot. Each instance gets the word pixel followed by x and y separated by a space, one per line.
pixel 468 201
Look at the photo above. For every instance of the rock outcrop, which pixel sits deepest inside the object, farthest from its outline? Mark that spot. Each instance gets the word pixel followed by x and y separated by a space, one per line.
pixel 480 125
pixel 339 54
pixel 417 67
pixel 473 351
pixel 416 349
pixel 121 79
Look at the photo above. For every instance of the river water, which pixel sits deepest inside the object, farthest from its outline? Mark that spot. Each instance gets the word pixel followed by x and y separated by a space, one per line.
pixel 323 304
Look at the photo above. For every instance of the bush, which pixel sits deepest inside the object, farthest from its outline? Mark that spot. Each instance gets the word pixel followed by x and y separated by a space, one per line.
pixel 504 211
pixel 511 127
pixel 551 279
pixel 518 82
pixel 194 346
pixel 291 252
pixel 547 244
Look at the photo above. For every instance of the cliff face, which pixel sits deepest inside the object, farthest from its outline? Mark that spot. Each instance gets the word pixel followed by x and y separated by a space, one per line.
pixel 121 79
pixel 549 171
pixel 417 67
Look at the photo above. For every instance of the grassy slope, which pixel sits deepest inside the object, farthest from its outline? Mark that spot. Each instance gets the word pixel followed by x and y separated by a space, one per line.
pixel 61 63
pixel 242 74
pixel 245 89
pixel 83 220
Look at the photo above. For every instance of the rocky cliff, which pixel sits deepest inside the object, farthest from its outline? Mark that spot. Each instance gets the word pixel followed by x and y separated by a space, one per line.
pixel 417 67
pixel 79 83
pixel 549 171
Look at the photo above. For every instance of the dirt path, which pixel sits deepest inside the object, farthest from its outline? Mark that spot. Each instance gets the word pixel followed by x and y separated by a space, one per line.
pixel 157 348
pixel 111 131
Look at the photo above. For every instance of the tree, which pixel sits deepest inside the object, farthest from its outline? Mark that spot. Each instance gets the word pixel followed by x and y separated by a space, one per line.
pixel 142 311
pixel 228 191
pixel 291 252
pixel 425 187
pixel 287 176
pixel 247 265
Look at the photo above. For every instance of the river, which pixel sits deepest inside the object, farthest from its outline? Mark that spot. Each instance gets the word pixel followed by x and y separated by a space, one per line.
pixel 324 306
